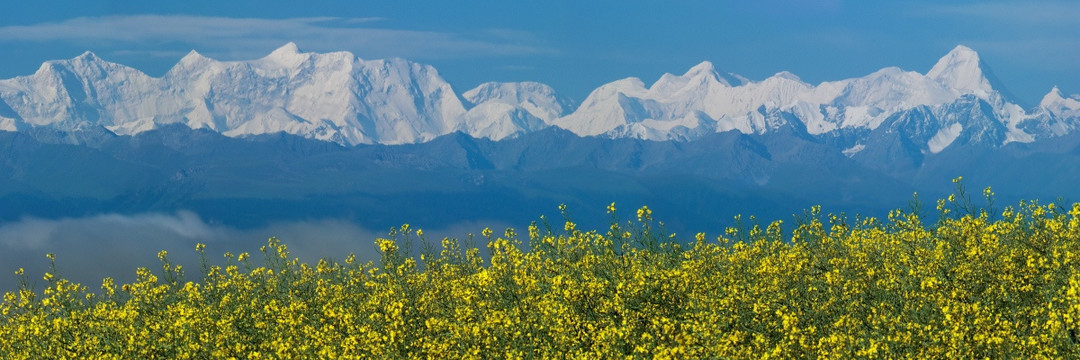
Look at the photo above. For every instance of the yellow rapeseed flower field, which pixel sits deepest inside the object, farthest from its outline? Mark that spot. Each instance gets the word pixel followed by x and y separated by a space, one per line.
pixel 973 283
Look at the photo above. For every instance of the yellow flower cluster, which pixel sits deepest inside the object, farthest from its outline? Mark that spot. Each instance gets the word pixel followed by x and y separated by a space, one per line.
pixel 977 285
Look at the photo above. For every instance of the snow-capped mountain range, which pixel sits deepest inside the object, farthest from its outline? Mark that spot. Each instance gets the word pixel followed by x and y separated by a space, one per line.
pixel 344 99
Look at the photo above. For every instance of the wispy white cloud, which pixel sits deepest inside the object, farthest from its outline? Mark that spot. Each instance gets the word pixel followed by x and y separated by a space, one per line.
pixel 246 38
pixel 361 20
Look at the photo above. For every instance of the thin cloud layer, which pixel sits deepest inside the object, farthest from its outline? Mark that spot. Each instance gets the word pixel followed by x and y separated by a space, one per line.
pixel 247 38
pixel 91 248
pixel 111 245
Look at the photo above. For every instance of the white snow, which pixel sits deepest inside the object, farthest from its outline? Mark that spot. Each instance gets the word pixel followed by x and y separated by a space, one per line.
pixel 1058 103
pixel 8 124
pixel 961 70
pixel 944 137
pixel 753 107
pixel 506 110
pixel 539 100
pixel 496 120
pixel 339 97
pixel 851 151
pixel 333 96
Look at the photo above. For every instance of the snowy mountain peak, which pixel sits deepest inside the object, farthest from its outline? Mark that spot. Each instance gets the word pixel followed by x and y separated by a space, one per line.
pixel 506 110
pixel 963 52
pixel 960 57
pixel 193 60
pixel 962 69
pixel 83 60
pixel 1056 101
pixel 192 56
pixel 87 56
pixel 333 97
pixel 287 55
pixel 340 98
pixel 705 68
pixel 698 79
pixel 786 76
pixel 1051 97
pixel 510 92
pixel 288 50
pixel 86 64
pixel 537 99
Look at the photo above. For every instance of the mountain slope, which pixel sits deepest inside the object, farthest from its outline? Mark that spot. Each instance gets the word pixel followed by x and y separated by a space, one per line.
pixel 454 178
pixel 334 97
pixel 502 110
pixel 339 98
pixel 958 100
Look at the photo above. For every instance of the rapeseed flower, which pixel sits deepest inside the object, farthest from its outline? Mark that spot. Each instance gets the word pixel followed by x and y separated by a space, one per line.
pixel 970 284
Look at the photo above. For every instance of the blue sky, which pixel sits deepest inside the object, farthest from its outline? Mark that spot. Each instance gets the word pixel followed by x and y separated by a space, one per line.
pixel 574 46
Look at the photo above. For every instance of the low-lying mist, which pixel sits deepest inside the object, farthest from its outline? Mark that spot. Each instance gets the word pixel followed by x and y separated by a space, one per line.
pixel 88 249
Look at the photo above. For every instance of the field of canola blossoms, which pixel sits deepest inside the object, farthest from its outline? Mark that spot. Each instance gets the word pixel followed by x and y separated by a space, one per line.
pixel 974 283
